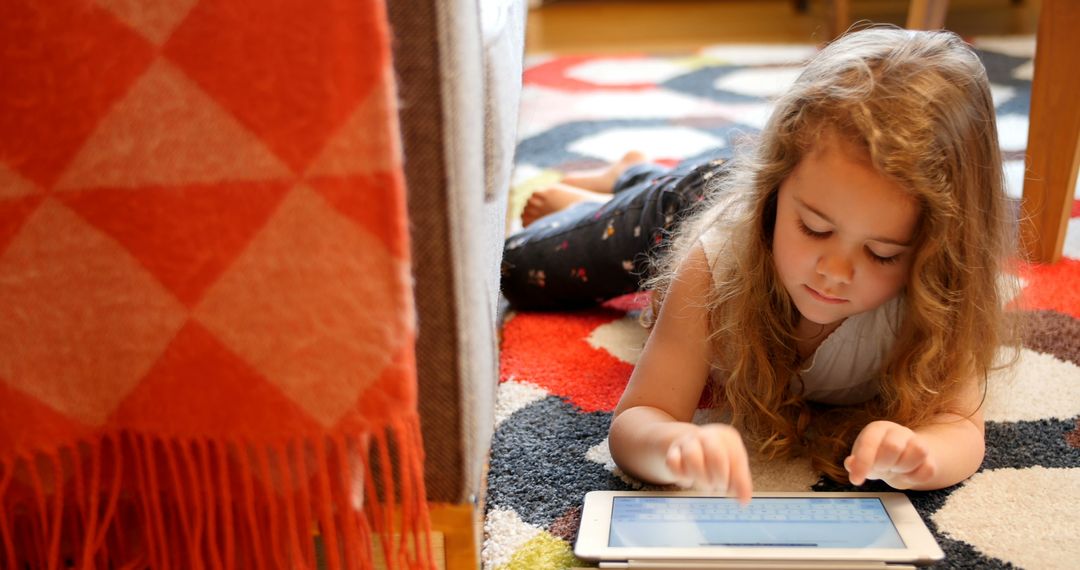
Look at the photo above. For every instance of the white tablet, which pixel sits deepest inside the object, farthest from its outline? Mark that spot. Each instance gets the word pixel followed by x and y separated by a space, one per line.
pixel 690 529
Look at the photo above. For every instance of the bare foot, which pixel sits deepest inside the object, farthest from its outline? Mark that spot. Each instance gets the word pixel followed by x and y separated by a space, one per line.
pixel 603 180
pixel 555 198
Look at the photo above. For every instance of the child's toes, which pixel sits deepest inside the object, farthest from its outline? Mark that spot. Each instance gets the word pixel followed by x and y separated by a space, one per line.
pixel 531 213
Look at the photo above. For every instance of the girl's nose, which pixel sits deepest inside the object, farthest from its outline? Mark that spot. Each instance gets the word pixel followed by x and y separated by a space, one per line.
pixel 836 267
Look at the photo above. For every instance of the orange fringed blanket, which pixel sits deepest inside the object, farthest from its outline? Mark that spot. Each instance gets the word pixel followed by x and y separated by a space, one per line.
pixel 206 323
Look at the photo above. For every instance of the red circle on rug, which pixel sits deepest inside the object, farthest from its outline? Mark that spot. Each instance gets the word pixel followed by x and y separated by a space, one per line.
pixel 1052 287
pixel 551 350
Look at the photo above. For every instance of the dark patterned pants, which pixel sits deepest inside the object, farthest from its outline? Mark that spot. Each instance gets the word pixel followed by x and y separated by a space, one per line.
pixel 592 252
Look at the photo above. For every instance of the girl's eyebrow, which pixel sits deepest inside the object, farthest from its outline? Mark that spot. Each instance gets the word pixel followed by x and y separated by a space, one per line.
pixel 820 214
pixel 816 211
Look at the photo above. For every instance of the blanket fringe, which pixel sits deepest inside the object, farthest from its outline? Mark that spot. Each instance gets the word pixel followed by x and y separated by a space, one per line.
pixel 129 500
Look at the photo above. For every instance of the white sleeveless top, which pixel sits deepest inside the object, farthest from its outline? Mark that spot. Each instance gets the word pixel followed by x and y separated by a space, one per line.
pixel 846 365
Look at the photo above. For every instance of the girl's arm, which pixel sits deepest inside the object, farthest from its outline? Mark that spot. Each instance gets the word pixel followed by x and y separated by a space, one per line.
pixel 946 451
pixel 651 436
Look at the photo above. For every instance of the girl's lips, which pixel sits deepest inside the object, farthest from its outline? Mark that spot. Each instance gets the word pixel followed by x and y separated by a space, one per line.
pixel 824 298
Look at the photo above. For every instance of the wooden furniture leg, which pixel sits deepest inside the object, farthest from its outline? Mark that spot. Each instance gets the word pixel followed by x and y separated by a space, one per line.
pixel 927 14
pixel 922 15
pixel 1053 150
pixel 839 17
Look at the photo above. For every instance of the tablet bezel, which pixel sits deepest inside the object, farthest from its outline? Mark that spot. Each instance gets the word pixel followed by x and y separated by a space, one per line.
pixel 592 541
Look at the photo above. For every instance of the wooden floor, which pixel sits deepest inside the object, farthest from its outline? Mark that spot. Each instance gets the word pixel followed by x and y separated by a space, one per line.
pixel 659 26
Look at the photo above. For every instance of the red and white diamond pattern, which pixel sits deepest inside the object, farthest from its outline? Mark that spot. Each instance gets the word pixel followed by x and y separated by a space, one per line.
pixel 199 189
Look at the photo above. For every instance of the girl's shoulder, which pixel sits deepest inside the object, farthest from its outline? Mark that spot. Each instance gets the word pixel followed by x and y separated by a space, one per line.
pixel 712 241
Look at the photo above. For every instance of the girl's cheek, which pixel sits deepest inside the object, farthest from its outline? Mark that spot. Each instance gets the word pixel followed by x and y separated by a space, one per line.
pixel 893 279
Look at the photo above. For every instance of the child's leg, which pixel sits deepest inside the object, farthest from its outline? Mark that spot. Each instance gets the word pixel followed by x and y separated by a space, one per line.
pixel 603 180
pixel 556 198
pixel 593 186
pixel 593 251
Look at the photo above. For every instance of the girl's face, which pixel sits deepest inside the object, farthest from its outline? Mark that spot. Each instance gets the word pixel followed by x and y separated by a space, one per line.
pixel 843 235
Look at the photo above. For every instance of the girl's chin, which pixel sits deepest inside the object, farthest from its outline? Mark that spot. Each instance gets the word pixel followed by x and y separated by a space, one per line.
pixel 821 315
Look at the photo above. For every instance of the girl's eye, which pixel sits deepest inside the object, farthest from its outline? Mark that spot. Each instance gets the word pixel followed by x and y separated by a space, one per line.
pixel 884 260
pixel 809 232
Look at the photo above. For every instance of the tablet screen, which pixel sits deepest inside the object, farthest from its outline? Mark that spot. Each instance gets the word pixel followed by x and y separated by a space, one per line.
pixel 766 522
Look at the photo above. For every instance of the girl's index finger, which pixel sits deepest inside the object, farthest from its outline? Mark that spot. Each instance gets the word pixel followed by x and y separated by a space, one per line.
pixel 740 480
pixel 864 453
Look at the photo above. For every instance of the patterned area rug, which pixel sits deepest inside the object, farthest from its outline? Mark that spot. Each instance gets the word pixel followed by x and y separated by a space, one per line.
pixel 562 373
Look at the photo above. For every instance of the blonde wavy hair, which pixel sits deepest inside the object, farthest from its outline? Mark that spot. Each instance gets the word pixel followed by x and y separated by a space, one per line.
pixel 919 104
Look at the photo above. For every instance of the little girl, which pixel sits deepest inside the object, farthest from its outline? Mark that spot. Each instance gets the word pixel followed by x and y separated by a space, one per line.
pixel 839 292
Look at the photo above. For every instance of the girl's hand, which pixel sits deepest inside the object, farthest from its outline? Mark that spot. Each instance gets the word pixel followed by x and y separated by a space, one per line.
pixel 892 453
pixel 711 458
